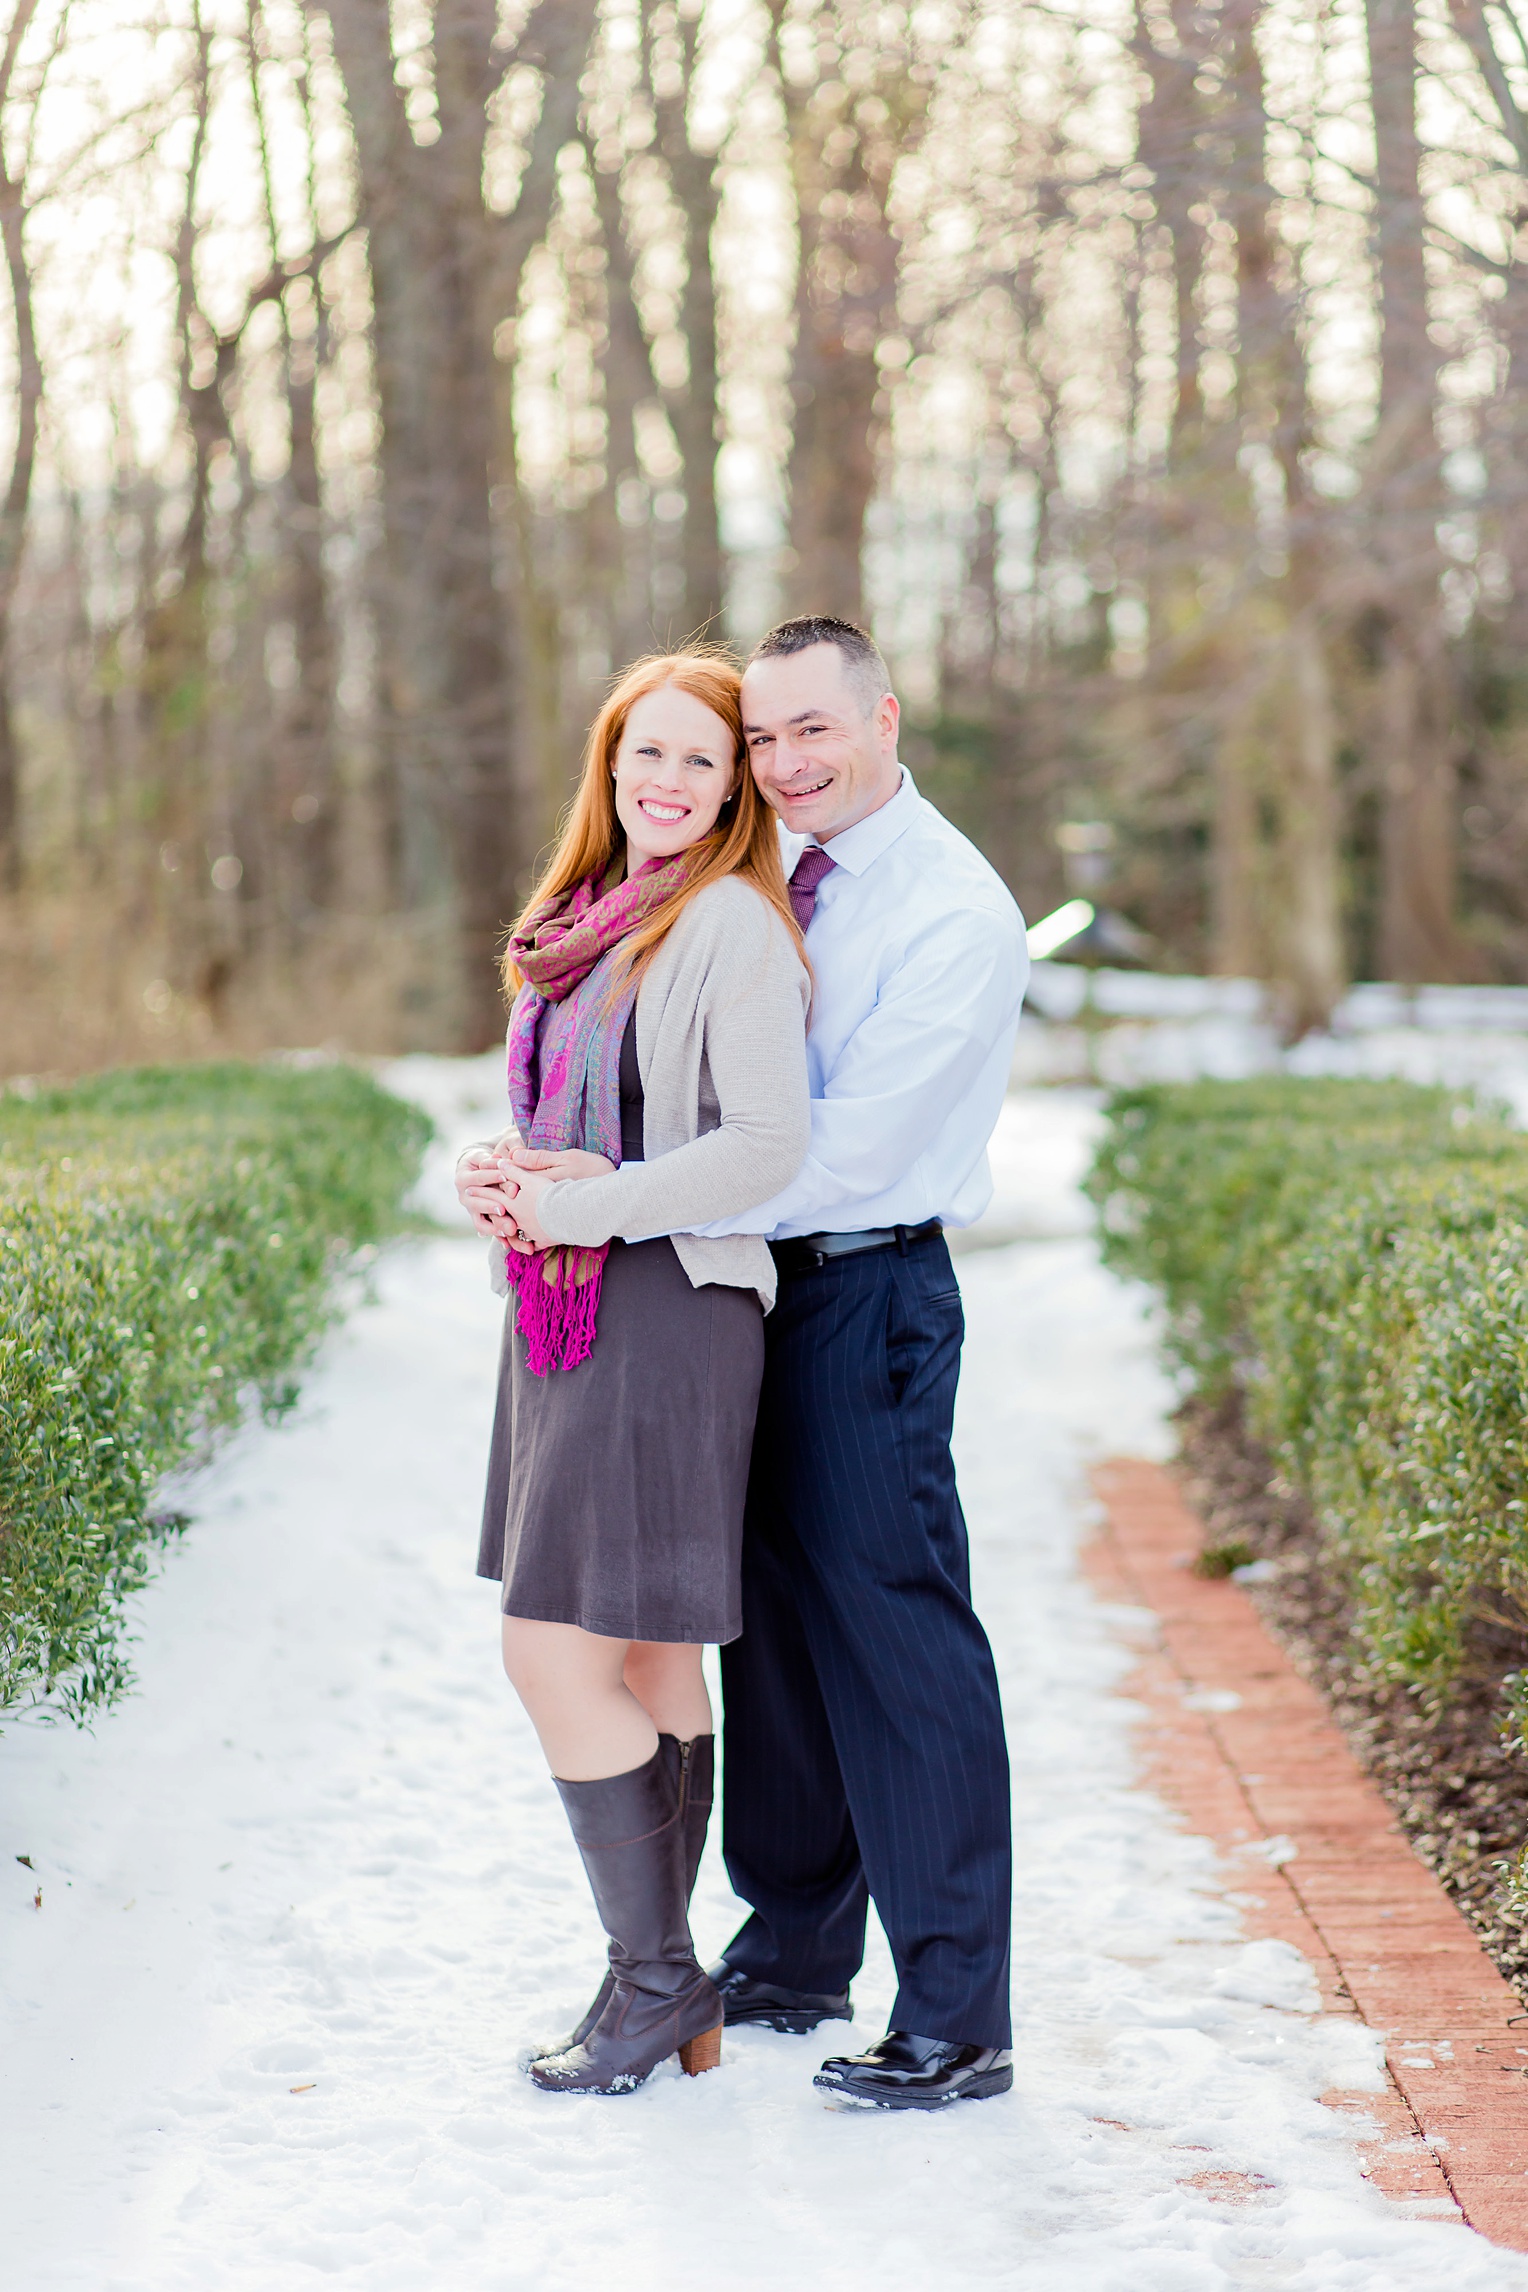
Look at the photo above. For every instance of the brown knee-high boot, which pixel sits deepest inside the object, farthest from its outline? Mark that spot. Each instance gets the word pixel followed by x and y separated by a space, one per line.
pixel 630 1832
pixel 693 1766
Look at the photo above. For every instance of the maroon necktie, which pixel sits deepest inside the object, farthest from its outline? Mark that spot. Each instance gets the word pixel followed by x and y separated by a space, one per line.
pixel 812 866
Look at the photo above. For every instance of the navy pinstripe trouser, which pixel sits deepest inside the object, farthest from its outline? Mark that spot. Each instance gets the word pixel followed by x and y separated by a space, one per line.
pixel 863 1735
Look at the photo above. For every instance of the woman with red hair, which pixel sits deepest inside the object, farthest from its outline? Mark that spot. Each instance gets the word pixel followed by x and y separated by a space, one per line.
pixel 657 1079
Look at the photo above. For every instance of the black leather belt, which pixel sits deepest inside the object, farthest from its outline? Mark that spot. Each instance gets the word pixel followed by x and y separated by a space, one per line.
pixel 804 1253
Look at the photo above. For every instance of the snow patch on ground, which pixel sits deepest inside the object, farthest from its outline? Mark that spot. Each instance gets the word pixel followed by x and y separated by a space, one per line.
pixel 1269 1973
pixel 1121 1027
pixel 306 1898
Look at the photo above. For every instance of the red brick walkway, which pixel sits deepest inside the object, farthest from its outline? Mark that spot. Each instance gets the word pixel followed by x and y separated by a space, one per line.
pixel 1248 1753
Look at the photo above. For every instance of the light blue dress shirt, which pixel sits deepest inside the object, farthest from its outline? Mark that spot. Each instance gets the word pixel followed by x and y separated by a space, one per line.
pixel 920 964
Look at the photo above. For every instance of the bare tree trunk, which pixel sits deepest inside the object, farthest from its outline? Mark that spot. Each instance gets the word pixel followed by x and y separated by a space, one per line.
pixel 445 275
pixel 692 410
pixel 1506 443
pixel 1306 948
pixel 1419 936
pixel 1169 129
pixel 621 561
pixel 306 793
pixel 1311 970
pixel 670 56
pixel 1181 503
pixel 834 379
pixel 844 146
pixel 311 823
pixel 172 677
pixel 540 683
pixel 1236 857
pixel 15 507
pixel 1506 422
pixel 184 800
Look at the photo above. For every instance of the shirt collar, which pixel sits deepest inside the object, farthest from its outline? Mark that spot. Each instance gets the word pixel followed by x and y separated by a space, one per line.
pixel 857 849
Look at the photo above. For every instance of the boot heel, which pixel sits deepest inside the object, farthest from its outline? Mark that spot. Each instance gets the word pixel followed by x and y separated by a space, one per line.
pixel 699 2054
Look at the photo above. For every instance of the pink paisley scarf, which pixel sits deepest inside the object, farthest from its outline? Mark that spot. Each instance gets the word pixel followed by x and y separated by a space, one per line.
pixel 565 1034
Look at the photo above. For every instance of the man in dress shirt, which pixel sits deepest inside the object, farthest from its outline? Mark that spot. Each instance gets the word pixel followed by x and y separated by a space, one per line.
pixel 865 1757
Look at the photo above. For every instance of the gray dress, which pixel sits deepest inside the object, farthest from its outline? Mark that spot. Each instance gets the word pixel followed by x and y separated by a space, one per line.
pixel 615 1490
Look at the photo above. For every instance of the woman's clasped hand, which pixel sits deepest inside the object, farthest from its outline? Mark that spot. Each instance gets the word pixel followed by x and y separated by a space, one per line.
pixel 500 1187
pixel 483 1194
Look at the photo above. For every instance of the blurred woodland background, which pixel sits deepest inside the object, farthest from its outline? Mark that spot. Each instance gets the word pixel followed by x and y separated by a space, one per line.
pixel 1152 375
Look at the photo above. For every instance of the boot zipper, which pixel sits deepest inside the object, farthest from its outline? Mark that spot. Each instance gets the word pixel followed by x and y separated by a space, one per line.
pixel 684 1775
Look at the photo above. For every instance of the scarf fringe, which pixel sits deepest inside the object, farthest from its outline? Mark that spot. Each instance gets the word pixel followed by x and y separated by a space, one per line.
pixel 557 1295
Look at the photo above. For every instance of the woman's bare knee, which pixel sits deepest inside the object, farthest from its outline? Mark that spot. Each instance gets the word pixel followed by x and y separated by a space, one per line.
pixel 571 1685
pixel 660 1664
pixel 560 1659
pixel 669 1683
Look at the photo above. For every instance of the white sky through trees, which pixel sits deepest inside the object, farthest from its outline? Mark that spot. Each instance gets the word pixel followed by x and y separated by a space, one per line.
pixel 1022 91
pixel 1014 348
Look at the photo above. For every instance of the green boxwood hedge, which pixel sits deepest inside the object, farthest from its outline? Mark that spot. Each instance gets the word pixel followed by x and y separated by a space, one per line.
pixel 1355 1255
pixel 169 1239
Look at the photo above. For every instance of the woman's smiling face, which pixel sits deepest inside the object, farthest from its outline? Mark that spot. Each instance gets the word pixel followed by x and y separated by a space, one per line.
pixel 674 770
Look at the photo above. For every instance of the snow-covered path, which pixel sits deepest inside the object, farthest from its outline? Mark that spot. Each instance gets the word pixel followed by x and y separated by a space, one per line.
pixel 305 1898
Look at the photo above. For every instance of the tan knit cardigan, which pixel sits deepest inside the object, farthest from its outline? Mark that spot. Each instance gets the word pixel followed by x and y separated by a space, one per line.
pixel 721 1047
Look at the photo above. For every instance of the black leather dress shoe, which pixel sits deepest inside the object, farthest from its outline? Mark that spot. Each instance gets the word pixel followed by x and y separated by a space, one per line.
pixel 908 2072
pixel 766 2006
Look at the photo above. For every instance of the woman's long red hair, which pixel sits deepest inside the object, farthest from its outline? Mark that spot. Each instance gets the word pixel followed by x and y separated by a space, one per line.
pixel 744 841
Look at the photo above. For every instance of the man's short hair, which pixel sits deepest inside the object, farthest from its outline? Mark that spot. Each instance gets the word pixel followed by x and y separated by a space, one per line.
pixel 862 655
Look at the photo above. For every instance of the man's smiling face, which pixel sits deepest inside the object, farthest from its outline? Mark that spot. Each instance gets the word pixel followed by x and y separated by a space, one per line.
pixel 822 753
